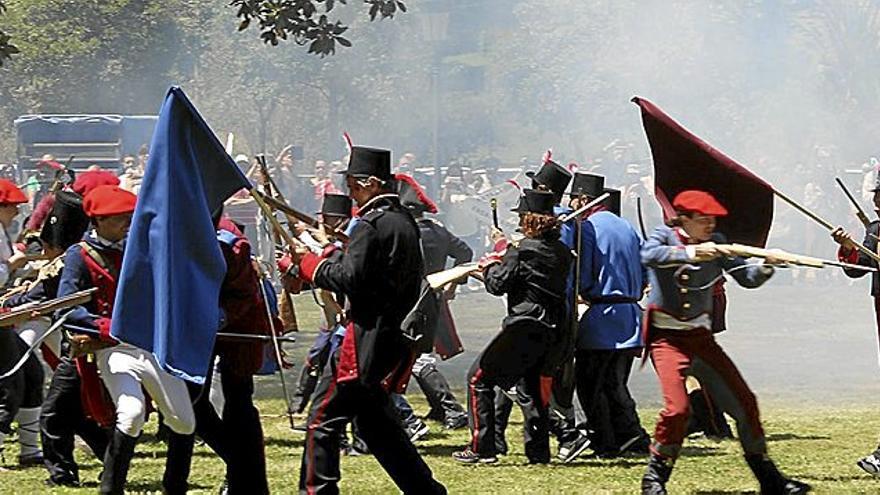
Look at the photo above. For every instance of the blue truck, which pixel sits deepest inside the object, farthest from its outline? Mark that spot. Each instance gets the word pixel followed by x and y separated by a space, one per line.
pixel 101 140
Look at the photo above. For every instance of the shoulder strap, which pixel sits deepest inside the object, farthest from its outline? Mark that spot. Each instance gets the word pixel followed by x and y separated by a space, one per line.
pixel 99 259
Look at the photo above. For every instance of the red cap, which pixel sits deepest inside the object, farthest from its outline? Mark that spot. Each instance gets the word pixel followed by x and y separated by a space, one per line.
pixel 105 201
pixel 87 181
pixel 699 202
pixel 10 194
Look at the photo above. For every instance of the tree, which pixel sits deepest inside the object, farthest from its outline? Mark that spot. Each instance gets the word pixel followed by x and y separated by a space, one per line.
pixel 7 50
pixel 302 21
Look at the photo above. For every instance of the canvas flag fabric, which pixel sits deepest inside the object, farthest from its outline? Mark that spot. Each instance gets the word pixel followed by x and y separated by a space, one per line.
pixel 167 300
pixel 683 161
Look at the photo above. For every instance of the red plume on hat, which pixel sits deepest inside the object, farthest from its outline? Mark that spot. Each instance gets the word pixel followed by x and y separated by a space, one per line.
pixel 408 182
pixel 41 212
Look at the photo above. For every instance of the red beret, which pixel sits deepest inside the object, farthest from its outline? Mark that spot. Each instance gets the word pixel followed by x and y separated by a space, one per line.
pixel 10 194
pixel 87 181
pixel 105 201
pixel 699 202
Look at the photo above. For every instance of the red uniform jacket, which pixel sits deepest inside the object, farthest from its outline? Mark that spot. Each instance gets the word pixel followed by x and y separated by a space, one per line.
pixel 242 302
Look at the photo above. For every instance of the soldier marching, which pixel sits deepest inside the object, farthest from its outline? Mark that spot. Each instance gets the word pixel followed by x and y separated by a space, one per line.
pixel 574 276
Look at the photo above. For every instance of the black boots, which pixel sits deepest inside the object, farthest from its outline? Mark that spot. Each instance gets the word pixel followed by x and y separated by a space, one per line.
pixel 656 476
pixel 177 464
pixel 772 481
pixel 444 407
pixel 116 462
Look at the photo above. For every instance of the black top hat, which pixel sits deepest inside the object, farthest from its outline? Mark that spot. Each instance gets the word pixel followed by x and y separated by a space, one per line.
pixel 67 222
pixel 336 205
pixel 590 185
pixel 369 162
pixel 553 176
pixel 534 201
pixel 613 200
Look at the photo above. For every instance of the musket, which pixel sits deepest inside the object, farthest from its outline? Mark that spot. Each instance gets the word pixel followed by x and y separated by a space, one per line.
pixel 860 213
pixel 286 299
pixel 785 257
pixel 311 221
pixel 824 223
pixel 29 311
pixel 443 277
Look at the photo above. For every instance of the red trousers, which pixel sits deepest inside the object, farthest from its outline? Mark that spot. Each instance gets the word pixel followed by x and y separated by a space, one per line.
pixel 677 354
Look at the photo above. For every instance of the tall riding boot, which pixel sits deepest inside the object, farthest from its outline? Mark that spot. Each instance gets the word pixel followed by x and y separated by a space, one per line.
pixel 308 379
pixel 116 462
pixel 177 463
pixel 656 476
pixel 772 481
pixel 437 390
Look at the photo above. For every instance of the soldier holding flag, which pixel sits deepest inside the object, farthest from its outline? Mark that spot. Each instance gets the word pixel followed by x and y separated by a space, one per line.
pixel 683 268
pixel 124 369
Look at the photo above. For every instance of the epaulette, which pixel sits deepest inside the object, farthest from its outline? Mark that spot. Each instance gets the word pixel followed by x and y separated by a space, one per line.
pixel 52 269
pixel 435 222
pixel 374 214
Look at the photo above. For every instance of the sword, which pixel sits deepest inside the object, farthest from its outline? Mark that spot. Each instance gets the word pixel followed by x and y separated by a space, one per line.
pixel 277 347
pixel 641 218
pixel 582 209
pixel 247 336
pixel 860 213
pixel 18 365
pixel 493 203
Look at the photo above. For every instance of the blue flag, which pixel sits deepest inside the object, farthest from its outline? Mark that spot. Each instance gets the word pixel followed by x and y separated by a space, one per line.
pixel 167 299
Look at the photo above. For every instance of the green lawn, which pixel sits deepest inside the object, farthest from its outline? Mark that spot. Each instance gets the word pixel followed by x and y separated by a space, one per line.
pixel 819 446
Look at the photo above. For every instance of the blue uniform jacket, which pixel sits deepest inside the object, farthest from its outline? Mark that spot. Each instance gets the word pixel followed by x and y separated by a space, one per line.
pixel 686 293
pixel 612 280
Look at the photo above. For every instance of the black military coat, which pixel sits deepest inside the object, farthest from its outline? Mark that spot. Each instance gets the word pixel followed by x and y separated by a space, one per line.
pixel 380 273
pixel 534 275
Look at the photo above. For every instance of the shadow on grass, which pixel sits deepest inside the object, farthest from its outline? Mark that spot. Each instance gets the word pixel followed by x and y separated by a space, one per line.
pixel 623 462
pixel 845 478
pixel 722 492
pixel 781 437
pixel 700 451
pixel 156 487
pixel 161 454
pixel 284 442
pixel 439 450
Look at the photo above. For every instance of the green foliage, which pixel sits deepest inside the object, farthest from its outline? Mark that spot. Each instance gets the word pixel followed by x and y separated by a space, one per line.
pixel 303 21
pixel 7 50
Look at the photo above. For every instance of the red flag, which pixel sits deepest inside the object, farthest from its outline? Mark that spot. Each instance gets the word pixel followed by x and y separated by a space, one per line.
pixel 683 161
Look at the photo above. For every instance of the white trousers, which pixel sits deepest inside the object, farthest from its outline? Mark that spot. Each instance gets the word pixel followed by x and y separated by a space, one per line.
pixel 31 329
pixel 124 370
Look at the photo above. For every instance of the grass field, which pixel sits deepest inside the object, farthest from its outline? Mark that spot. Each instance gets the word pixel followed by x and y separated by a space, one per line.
pixel 813 367
pixel 819 446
